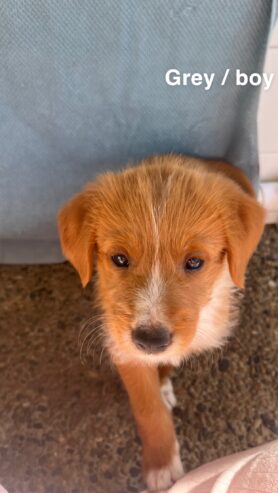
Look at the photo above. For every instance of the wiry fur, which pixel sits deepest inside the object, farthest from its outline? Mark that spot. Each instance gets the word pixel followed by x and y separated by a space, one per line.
pixel 158 214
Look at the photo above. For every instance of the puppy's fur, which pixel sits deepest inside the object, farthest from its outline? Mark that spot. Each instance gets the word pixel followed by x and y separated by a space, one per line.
pixel 159 214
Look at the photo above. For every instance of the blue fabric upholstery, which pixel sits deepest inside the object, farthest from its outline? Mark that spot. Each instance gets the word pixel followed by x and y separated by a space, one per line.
pixel 82 90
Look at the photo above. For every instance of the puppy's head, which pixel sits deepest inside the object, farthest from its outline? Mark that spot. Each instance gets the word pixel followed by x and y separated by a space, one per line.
pixel 169 239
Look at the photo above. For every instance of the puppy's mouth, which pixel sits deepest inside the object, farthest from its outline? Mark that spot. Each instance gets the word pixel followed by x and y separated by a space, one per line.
pixel 151 340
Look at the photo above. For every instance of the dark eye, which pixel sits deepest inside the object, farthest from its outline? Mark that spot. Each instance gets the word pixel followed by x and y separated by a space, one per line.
pixel 120 260
pixel 193 263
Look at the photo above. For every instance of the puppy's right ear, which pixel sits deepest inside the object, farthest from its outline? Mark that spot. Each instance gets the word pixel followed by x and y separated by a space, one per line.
pixel 76 231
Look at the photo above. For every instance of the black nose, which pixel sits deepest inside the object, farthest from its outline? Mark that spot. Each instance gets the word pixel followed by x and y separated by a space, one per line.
pixel 152 339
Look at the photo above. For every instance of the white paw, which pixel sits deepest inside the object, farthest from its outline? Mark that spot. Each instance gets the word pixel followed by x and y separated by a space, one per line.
pixel 168 394
pixel 159 480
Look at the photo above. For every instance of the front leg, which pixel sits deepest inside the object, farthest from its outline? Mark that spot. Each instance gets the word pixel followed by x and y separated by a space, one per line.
pixel 161 460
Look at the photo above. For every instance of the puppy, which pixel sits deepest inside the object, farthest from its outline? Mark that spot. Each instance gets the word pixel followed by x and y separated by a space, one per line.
pixel 171 238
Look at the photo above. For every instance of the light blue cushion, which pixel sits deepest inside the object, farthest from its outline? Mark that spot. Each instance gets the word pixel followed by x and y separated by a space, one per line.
pixel 82 90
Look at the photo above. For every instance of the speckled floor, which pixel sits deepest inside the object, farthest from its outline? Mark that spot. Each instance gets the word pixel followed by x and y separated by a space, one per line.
pixel 67 428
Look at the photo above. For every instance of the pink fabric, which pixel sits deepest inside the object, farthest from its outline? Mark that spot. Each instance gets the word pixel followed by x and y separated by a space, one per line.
pixel 252 471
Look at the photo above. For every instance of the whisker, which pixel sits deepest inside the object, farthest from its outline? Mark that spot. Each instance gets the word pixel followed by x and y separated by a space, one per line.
pixel 90 335
pixel 91 331
pixel 89 322
pixel 94 340
pixel 100 359
pixel 83 342
pixel 94 350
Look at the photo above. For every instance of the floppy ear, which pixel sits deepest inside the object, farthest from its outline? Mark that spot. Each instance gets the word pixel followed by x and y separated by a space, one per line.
pixel 244 230
pixel 76 234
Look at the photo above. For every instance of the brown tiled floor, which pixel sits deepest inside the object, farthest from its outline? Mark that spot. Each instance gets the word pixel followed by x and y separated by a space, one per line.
pixel 67 428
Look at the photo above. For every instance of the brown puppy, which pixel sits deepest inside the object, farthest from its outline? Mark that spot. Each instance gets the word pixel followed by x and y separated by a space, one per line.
pixel 171 238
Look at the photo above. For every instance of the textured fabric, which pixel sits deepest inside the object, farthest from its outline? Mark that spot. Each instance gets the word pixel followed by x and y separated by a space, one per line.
pixel 82 90
pixel 253 471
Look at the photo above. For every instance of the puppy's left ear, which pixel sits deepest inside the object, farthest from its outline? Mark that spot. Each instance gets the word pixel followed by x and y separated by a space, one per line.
pixel 77 234
pixel 243 229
